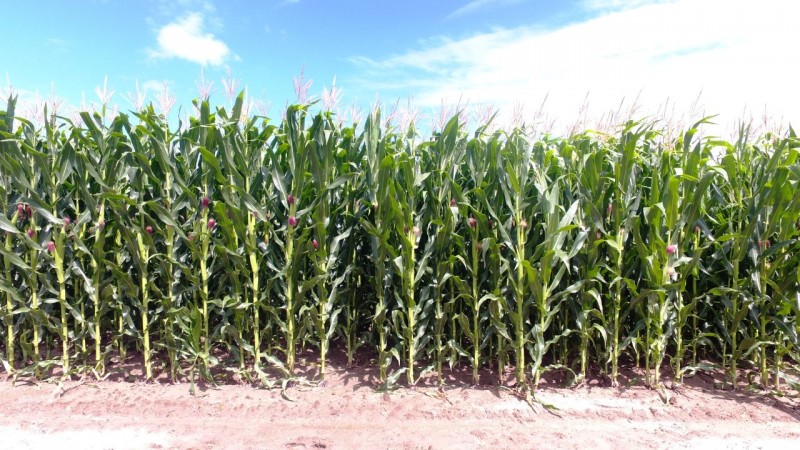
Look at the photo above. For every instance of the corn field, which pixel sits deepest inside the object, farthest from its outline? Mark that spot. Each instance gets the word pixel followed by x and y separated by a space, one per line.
pixel 231 242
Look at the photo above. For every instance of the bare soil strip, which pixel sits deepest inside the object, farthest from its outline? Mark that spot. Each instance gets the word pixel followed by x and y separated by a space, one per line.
pixel 347 413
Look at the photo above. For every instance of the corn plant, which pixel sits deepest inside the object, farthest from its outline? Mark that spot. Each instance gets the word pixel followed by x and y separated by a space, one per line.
pixel 548 265
pixel 409 221
pixel 39 170
pixel 377 179
pixel 291 185
pixel 354 257
pixel 593 185
pixel 326 245
pixel 517 182
pixel 776 217
pixel 249 190
pixel 483 163
pixel 623 209
pixel 100 160
pixel 9 228
pixel 442 188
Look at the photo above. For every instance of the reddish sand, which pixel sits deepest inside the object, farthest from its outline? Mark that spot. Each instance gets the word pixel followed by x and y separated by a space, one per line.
pixel 346 412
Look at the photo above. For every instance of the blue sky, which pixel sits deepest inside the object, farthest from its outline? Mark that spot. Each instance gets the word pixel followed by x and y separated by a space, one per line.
pixel 545 62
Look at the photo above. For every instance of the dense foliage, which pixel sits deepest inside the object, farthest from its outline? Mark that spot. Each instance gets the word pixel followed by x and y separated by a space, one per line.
pixel 230 235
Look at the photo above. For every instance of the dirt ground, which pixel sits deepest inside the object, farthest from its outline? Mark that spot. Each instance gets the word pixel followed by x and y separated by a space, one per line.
pixel 346 412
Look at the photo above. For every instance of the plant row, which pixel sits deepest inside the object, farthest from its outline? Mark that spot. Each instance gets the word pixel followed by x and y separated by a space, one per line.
pixel 233 235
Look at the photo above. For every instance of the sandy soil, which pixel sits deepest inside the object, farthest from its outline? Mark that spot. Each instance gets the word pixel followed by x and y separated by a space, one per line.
pixel 346 412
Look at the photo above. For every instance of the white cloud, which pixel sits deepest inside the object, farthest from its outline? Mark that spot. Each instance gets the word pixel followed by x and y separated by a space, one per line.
pixel 609 5
pixel 737 53
pixel 56 42
pixel 186 39
pixel 151 86
pixel 475 5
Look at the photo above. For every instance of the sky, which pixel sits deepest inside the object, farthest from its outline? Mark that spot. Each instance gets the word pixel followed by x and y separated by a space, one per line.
pixel 548 63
